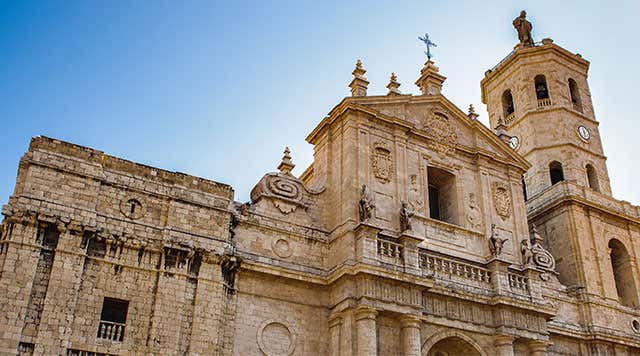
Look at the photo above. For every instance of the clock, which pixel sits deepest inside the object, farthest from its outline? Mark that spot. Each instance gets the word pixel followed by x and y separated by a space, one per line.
pixel 514 142
pixel 584 133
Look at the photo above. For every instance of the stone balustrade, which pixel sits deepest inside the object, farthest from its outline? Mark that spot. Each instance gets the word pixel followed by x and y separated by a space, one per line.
pixel 111 331
pixel 453 270
pixel 518 284
pixel 543 103
pixel 390 252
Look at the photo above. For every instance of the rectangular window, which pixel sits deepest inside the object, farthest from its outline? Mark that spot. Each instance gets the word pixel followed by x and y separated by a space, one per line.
pixel 113 319
pixel 443 197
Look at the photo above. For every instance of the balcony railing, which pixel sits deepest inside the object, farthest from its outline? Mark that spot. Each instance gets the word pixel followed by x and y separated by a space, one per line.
pixel 390 251
pixel 543 103
pixel 518 283
pixel 449 269
pixel 109 330
pixel 510 118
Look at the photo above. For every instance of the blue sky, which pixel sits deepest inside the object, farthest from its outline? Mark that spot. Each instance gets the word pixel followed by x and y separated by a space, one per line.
pixel 217 89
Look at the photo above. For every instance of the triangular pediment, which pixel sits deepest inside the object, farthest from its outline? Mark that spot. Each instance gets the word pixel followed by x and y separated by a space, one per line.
pixel 439 121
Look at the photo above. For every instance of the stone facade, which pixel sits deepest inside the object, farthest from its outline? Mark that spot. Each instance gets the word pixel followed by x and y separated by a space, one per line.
pixel 409 234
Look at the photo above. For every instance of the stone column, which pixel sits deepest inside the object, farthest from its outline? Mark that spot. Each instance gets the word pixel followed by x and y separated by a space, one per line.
pixel 335 324
pixel 366 331
pixel 504 345
pixel 538 347
pixel 411 345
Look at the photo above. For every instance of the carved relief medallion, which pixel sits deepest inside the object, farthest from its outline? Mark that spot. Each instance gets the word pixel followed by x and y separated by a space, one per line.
pixel 276 339
pixel 502 199
pixel 132 208
pixel 381 161
pixel 282 248
pixel 442 133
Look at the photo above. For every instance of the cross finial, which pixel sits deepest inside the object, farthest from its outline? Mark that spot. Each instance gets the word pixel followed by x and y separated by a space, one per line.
pixel 428 43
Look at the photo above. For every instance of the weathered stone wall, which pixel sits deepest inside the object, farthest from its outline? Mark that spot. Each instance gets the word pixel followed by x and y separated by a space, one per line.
pixel 71 238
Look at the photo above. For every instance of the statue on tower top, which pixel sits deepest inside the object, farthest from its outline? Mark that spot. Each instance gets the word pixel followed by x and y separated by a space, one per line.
pixel 523 27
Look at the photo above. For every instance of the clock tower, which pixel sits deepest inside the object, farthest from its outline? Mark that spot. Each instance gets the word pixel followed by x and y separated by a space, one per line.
pixel 538 98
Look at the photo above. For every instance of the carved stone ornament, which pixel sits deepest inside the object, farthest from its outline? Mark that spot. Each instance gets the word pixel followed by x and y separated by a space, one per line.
pixel 473 213
pixel 439 129
pixel 285 191
pixel 539 255
pixel 381 162
pixel 495 242
pixel 275 338
pixel 415 198
pixel 366 206
pixel 132 208
pixel 502 199
pixel 405 217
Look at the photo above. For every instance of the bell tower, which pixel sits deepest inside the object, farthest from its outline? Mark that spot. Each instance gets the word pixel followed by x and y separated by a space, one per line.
pixel 538 98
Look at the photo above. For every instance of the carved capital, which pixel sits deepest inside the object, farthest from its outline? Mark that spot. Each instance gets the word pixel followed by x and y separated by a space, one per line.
pixel 503 340
pixel 410 321
pixel 365 312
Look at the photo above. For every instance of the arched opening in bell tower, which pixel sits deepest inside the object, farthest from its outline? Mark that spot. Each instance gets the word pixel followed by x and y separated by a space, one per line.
pixel 592 178
pixel 542 91
pixel 507 104
pixel 623 274
pixel 556 172
pixel 575 95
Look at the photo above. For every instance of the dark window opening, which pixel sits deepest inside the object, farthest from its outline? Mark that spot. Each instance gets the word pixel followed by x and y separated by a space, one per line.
pixel 556 172
pixel 524 189
pixel 507 103
pixel 542 91
pixel 443 202
pixel 592 178
pixel 96 248
pixel 575 95
pixel 434 203
pixel 623 274
pixel 113 319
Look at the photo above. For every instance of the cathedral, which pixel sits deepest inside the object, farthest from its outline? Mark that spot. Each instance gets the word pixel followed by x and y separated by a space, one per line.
pixel 416 230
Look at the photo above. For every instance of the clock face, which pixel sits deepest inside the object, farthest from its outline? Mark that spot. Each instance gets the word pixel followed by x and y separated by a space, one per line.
pixel 514 142
pixel 584 133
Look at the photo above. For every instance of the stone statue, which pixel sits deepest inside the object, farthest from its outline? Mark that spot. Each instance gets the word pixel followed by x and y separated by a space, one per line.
pixel 405 216
pixel 366 205
pixel 495 243
pixel 525 249
pixel 523 27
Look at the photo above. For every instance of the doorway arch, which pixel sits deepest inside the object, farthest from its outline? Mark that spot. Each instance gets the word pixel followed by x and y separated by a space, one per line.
pixel 450 343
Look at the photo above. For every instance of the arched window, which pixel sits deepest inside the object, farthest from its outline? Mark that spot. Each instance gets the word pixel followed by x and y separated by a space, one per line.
pixel 507 103
pixel 592 177
pixel 542 91
pixel 575 95
pixel 556 172
pixel 623 274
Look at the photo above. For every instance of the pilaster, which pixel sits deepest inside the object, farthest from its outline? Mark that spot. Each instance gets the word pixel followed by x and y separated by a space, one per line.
pixel 411 345
pixel 538 347
pixel 366 336
pixel 504 345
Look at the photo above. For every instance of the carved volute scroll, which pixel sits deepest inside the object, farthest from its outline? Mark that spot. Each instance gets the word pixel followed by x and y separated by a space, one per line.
pixel 285 190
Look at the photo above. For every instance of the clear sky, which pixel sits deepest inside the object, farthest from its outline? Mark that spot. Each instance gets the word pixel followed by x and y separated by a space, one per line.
pixel 217 89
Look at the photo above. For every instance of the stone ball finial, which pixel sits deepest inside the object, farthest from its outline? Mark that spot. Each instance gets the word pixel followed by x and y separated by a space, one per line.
pixel 286 166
